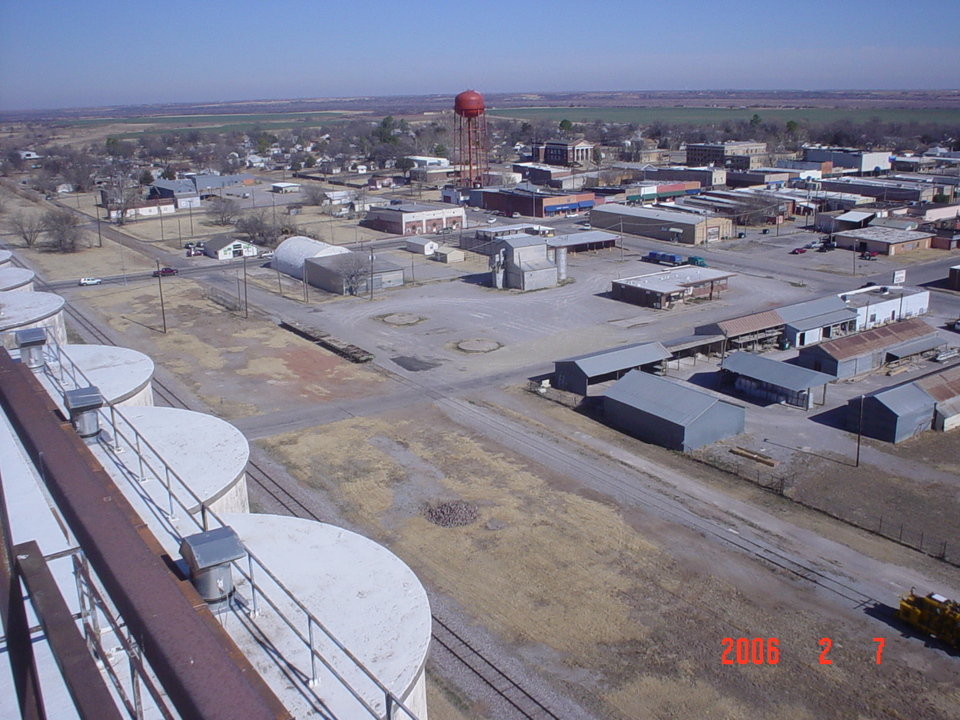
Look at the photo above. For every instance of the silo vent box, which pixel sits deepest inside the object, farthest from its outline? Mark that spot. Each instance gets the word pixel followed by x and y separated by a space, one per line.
pixel 208 555
pixel 31 342
pixel 82 404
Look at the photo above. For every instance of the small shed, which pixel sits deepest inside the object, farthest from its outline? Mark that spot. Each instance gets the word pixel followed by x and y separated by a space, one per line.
pixel 668 413
pixel 449 254
pixel 228 248
pixel 422 245
pixel 891 415
pixel 576 374
pixel 774 380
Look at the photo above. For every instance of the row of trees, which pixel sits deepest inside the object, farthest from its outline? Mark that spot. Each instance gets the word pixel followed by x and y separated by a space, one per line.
pixel 62 228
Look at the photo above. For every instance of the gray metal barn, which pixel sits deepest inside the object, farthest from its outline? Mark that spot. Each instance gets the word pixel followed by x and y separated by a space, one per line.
pixel 774 380
pixel 870 350
pixel 892 415
pixel 576 374
pixel 669 414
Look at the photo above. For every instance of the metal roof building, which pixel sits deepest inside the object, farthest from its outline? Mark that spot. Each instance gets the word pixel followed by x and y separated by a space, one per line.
pixel 669 414
pixel 294 251
pixel 774 380
pixel 576 374
pixel 892 415
pixel 870 350
pixel 664 288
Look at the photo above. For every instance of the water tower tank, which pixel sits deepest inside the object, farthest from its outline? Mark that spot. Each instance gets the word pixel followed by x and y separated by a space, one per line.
pixel 469 103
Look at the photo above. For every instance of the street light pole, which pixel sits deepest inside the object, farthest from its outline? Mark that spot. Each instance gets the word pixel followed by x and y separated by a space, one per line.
pixel 246 307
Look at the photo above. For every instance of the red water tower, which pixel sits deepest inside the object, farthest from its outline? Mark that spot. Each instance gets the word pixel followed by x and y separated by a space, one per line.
pixel 471 150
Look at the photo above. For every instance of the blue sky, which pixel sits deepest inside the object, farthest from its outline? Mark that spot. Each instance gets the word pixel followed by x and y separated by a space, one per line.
pixel 73 54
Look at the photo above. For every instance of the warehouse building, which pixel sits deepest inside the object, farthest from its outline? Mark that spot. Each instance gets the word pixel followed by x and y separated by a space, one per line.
pixel 880 189
pixel 576 374
pixel 871 349
pixel 775 381
pixel 182 192
pixel 944 388
pixel 668 413
pixel 482 239
pixel 813 321
pixel 665 288
pixel 414 218
pixel 531 201
pixel 881 304
pixel 892 415
pixel 422 245
pixel 883 240
pixel 583 241
pixel 708 177
pixel 660 224
pixel 650 191
pixel 860 161
pixel 351 273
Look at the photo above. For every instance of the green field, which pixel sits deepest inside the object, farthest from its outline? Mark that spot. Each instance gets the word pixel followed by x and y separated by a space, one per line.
pixel 227 120
pixel 706 116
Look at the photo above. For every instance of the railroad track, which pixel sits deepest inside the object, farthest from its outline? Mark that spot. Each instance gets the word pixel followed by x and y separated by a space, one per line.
pixel 513 695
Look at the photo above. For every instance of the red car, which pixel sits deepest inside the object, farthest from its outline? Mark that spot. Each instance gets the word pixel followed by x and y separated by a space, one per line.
pixel 798 251
pixel 165 271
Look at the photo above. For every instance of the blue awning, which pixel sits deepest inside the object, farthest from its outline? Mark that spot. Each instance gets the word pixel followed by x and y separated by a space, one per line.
pixel 586 203
pixel 557 208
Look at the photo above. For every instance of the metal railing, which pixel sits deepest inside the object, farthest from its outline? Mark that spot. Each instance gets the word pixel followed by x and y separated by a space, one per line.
pixel 169 509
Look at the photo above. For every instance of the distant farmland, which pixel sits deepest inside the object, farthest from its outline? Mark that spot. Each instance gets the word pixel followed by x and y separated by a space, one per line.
pixel 709 116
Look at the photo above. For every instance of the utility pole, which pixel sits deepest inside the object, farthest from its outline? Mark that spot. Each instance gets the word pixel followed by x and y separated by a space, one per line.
pixel 190 211
pixel 179 234
pixel 246 307
pixel 859 431
pixel 371 272
pixel 99 234
pixel 163 312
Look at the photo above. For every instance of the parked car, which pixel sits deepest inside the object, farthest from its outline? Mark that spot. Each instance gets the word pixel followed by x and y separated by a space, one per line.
pixel 90 281
pixel 798 251
pixel 266 255
pixel 514 214
pixel 584 226
pixel 868 255
pixel 491 220
pixel 165 271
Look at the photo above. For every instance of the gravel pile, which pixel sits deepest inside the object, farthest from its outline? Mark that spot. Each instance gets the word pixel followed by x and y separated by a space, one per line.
pixel 455 513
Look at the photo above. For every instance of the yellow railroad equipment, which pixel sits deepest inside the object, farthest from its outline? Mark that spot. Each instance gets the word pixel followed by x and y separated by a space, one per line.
pixel 934 615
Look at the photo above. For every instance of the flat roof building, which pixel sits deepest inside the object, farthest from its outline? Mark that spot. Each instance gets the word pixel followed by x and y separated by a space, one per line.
pixel 665 288
pixel 415 218
pixel 671 225
pixel 351 273
pixel 883 240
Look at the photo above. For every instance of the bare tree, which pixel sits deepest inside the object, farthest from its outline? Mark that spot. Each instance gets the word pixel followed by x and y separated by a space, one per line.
pixel 259 229
pixel 355 268
pixel 63 227
pixel 27 227
pixel 223 211
pixel 314 195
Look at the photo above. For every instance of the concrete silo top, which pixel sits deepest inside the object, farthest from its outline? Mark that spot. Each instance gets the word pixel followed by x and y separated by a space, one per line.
pixel 290 255
pixel 5 257
pixel 207 453
pixel 366 596
pixel 119 372
pixel 14 277
pixel 23 308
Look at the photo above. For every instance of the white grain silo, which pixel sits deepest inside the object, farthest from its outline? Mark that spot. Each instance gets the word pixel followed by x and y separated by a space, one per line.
pixel 201 458
pixel 124 376
pixel 21 310
pixel 5 257
pixel 14 279
pixel 367 598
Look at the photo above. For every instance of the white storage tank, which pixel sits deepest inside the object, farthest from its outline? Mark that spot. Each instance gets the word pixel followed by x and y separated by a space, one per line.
pixel 5 257
pixel 20 310
pixel 124 376
pixel 207 454
pixel 366 596
pixel 14 279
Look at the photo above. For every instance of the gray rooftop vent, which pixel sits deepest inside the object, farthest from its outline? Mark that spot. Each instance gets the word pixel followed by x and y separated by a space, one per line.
pixel 82 404
pixel 31 342
pixel 208 555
